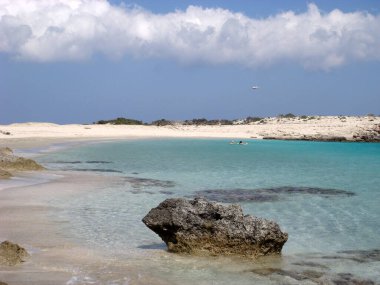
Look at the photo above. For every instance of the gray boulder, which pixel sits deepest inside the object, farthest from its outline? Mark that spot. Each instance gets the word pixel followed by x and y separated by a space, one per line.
pixel 206 228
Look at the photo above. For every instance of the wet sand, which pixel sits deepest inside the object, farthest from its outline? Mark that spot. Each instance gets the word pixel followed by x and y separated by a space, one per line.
pixel 27 218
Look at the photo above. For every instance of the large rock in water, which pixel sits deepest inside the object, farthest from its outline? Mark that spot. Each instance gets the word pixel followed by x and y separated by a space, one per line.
pixel 207 228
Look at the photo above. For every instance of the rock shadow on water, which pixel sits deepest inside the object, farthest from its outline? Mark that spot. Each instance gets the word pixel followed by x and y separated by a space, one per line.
pixel 268 194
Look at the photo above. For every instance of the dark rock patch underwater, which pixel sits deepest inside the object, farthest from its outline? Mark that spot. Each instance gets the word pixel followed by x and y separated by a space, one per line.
pixel 268 194
pixel 316 268
pixel 79 162
pixel 137 182
pixel 316 277
pixel 96 170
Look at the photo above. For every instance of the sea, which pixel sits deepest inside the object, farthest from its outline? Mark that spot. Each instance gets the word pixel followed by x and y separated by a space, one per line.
pixel 325 195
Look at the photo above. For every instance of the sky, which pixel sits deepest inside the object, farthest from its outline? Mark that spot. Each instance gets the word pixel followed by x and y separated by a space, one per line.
pixel 80 61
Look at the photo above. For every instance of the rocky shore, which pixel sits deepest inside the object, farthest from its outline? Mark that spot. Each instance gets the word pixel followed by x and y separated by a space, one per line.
pixel 201 227
pixel 10 163
pixel 371 134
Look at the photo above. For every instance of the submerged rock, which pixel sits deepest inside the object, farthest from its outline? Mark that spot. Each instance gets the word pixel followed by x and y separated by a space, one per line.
pixel 11 162
pixel 268 194
pixel 360 256
pixel 316 277
pixel 299 276
pixel 11 253
pixel 96 170
pixel 207 228
pixel 137 182
pixel 350 279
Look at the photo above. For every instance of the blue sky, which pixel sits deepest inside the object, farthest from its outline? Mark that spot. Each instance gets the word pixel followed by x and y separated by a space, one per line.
pixel 185 59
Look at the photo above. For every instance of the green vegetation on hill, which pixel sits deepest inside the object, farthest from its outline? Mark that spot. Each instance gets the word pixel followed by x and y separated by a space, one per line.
pixel 120 121
pixel 192 122
pixel 289 115
pixel 206 122
pixel 162 122
pixel 252 119
pixel 203 121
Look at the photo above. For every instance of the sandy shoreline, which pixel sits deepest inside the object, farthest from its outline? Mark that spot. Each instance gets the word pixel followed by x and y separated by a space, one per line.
pixel 22 135
pixel 28 218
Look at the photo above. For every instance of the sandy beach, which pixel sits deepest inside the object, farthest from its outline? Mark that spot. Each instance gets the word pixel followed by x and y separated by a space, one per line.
pixel 28 219
pixel 29 134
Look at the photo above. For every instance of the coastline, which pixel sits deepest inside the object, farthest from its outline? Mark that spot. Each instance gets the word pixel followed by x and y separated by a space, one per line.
pixel 318 128
pixel 25 221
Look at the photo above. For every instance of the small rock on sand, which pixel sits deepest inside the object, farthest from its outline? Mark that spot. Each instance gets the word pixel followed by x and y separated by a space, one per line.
pixel 10 162
pixel 5 174
pixel 12 254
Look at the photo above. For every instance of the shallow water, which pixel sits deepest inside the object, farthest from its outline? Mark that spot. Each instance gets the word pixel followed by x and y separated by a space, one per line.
pixel 321 227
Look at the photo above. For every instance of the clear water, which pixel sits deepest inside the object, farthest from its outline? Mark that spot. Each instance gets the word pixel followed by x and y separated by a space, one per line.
pixel 110 218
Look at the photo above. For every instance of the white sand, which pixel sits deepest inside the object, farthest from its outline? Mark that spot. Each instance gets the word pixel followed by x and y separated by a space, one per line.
pixel 271 127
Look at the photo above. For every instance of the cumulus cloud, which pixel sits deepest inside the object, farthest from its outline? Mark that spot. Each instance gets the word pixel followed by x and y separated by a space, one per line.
pixel 54 30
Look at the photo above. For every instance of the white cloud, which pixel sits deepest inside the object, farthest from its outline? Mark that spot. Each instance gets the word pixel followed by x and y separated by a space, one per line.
pixel 52 30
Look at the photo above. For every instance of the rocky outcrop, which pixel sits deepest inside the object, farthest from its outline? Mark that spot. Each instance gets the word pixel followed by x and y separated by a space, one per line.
pixel 11 253
pixel 318 138
pixel 370 135
pixel 207 228
pixel 10 162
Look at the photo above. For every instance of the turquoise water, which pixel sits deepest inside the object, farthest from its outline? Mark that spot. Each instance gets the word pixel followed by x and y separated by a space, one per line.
pixel 317 224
